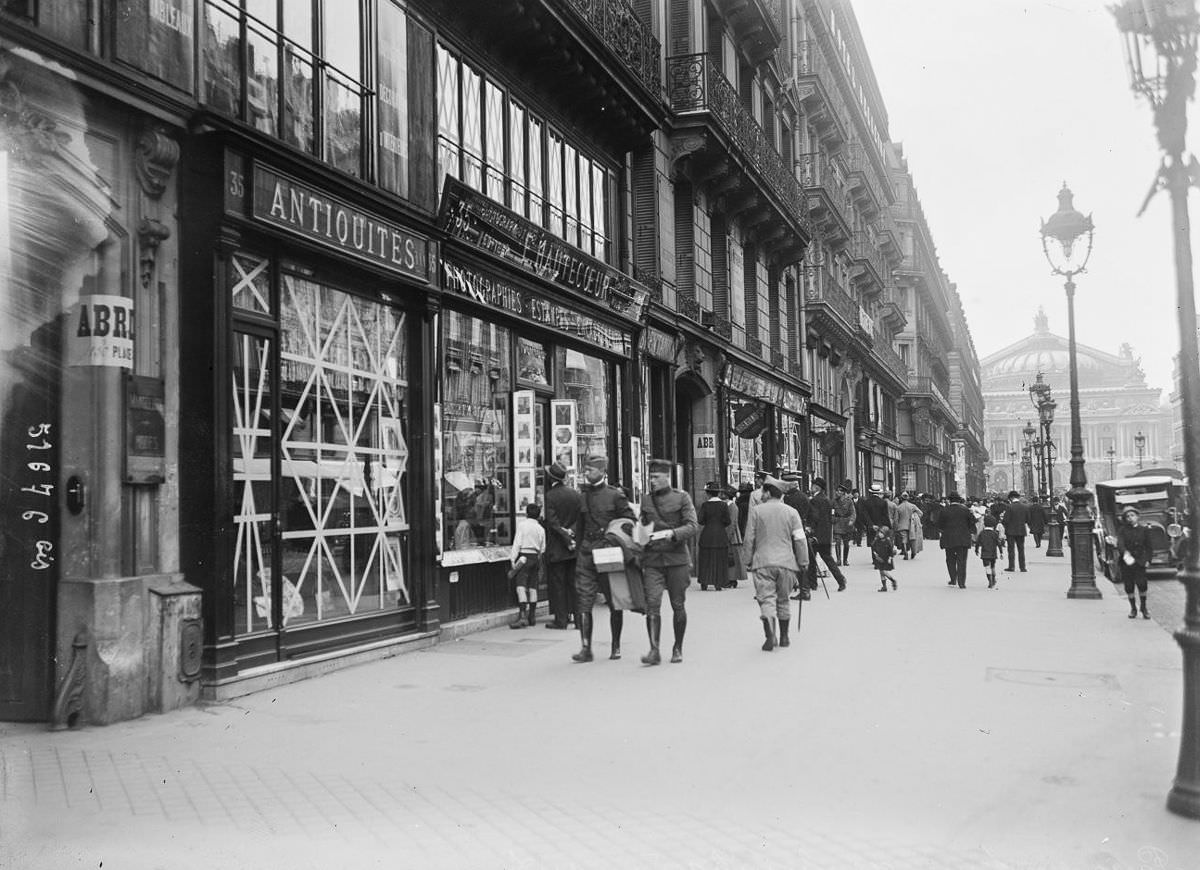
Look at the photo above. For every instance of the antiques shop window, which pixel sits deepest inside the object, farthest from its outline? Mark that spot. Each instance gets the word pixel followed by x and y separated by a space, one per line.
pixel 268 63
pixel 476 390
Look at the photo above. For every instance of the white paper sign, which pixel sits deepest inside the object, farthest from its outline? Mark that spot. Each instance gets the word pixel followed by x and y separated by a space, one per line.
pixel 102 332
pixel 705 446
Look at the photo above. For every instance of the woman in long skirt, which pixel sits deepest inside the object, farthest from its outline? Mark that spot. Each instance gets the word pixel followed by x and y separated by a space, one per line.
pixel 737 571
pixel 713 517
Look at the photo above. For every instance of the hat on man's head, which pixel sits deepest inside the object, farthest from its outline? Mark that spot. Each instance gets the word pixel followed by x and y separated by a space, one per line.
pixel 759 473
pixel 659 466
pixel 954 496
pixel 819 481
pixel 790 476
pixel 1014 494
pixel 600 462
pixel 1130 509
pixel 745 486
pixel 556 471
pixel 876 489
pixel 847 485
pixel 774 482
pixel 713 487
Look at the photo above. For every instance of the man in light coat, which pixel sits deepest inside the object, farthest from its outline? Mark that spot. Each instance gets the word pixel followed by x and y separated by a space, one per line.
pixel 776 555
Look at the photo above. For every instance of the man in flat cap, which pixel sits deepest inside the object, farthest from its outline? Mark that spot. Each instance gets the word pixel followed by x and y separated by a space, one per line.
pixel 602 503
pixel 776 556
pixel 666 562
pixel 564 508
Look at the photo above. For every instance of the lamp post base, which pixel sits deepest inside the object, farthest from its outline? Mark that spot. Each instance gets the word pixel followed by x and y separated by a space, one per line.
pixel 1079 526
pixel 1053 536
pixel 1184 799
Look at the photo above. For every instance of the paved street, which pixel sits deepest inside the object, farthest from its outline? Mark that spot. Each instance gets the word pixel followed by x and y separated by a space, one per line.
pixel 928 728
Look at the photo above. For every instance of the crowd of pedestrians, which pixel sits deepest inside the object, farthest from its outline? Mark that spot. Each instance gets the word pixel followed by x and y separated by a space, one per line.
pixel 782 536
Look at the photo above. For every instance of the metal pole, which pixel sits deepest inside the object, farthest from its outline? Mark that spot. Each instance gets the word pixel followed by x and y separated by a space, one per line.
pixel 1184 798
pixel 1083 572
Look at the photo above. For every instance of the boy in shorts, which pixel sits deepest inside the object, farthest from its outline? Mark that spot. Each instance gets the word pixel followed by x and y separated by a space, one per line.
pixel 882 550
pixel 529 543
pixel 987 545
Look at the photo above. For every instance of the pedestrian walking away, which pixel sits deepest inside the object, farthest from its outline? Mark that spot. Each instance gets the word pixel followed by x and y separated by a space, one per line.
pixel 883 548
pixel 987 546
pixel 602 504
pixel 822 532
pixel 1015 520
pixel 906 515
pixel 528 546
pixel 670 518
pixel 563 522
pixel 955 527
pixel 1037 523
pixel 713 517
pixel 736 566
pixel 1136 548
pixel 776 555
pixel 845 516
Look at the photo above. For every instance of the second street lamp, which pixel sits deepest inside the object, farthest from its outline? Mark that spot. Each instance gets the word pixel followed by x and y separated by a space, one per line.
pixel 1062 235
pixel 1139 443
pixel 1112 463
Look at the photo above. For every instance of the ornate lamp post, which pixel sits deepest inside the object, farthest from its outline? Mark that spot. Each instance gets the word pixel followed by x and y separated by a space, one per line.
pixel 1112 462
pixel 1053 529
pixel 1139 443
pixel 1027 457
pixel 1062 235
pixel 1165 32
pixel 1012 469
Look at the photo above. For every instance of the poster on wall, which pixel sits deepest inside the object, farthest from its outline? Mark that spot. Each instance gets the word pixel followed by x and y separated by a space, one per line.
pixel 437 475
pixel 565 445
pixel 101 332
pixel 523 449
pixel 704 446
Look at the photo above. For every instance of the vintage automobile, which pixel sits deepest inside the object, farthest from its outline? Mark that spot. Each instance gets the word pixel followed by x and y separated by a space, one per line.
pixel 1161 500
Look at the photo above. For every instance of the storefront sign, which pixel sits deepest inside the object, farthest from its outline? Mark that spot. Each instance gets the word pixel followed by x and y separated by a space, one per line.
pixel 333 223
pixel 705 446
pixel 503 296
pixel 659 344
pixel 485 224
pixel 102 332
pixel 145 430
pixel 794 402
pixel 750 420
pixel 750 384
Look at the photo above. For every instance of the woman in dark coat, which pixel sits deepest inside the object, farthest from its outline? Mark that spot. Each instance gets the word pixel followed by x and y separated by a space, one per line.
pixel 713 517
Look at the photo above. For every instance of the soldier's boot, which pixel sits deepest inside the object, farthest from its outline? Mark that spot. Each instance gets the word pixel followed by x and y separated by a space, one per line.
pixel 653 631
pixel 1132 608
pixel 783 633
pixel 1145 612
pixel 519 622
pixel 616 619
pixel 584 621
pixel 532 615
pixel 769 631
pixel 679 623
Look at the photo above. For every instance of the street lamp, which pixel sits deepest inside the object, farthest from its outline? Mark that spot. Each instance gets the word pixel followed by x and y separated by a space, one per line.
pixel 1027 456
pixel 1012 469
pixel 1139 443
pixel 1062 235
pixel 1166 33
pixel 1112 462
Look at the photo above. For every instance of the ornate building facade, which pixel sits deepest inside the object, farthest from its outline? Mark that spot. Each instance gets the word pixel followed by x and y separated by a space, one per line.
pixel 1116 405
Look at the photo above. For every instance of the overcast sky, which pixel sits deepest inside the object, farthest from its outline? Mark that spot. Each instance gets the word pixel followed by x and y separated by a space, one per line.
pixel 997 103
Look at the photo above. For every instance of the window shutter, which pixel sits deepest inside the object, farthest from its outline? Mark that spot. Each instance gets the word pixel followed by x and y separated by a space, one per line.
pixel 720 265
pixel 645 213
pixel 681 19
pixel 685 264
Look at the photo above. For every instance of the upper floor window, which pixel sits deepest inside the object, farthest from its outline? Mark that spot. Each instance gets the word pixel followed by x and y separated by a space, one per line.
pixel 292 69
pixel 498 146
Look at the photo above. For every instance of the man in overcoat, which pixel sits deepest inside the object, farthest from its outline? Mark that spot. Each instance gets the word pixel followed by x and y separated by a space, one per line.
pixel 956 526
pixel 666 562
pixel 1015 520
pixel 601 504
pixel 821 520
pixel 563 513
pixel 876 508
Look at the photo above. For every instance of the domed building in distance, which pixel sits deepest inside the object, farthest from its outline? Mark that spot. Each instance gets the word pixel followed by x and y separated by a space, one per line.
pixel 1115 405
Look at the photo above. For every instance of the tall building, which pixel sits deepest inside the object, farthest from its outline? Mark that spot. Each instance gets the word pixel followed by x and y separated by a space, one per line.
pixel 1116 406
pixel 300 302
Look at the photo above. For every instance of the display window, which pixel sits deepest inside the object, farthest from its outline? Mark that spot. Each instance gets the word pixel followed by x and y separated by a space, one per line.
pixel 320 414
pixel 511 404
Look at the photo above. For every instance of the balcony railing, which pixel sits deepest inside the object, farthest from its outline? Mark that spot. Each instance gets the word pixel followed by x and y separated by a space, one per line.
pixel 628 37
pixel 818 170
pixel 820 287
pixel 687 305
pixel 863 247
pixel 860 165
pixel 882 348
pixel 928 385
pixel 697 85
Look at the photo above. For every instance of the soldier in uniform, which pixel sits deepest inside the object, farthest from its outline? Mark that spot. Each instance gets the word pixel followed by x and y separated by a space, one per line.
pixel 666 563
pixel 602 503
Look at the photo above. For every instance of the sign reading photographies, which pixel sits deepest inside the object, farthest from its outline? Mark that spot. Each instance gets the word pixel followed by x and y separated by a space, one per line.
pixel 101 332
pixel 503 296
pixel 484 224
pixel 333 223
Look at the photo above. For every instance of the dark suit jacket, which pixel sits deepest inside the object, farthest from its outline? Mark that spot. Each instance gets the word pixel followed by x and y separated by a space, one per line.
pixel 563 513
pixel 798 499
pixel 956 524
pixel 876 508
pixel 1015 519
pixel 822 518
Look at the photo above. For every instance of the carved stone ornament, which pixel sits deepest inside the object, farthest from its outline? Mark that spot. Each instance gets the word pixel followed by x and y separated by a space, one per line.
pixel 151 234
pixel 25 134
pixel 155 159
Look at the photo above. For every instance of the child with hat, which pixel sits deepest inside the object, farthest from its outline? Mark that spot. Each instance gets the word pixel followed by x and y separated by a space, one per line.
pixel 1136 549
pixel 987 545
pixel 882 550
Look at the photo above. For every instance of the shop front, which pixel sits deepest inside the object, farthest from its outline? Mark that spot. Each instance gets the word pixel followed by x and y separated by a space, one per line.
pixel 764 425
pixel 303 457
pixel 534 365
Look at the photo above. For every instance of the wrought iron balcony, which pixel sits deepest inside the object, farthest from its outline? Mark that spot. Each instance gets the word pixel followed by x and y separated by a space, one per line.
pixel 626 36
pixel 823 296
pixel 816 88
pixel 687 305
pixel 698 88
pixel 888 358
pixel 757 25
pixel 872 274
pixel 927 386
pixel 872 196
pixel 829 200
